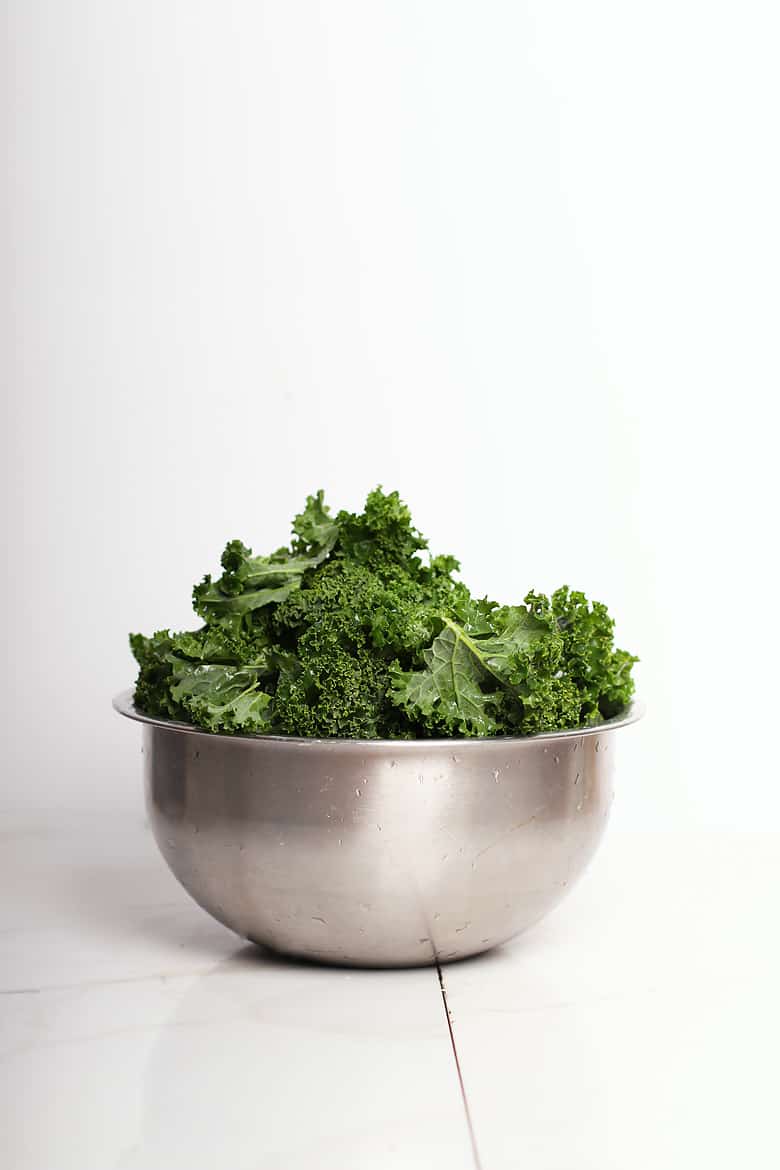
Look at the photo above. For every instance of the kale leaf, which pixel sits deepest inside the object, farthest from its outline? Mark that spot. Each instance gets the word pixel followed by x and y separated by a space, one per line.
pixel 470 672
pixel 222 698
pixel 351 632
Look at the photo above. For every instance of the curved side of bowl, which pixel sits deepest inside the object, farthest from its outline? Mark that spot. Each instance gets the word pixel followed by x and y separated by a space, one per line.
pixel 387 856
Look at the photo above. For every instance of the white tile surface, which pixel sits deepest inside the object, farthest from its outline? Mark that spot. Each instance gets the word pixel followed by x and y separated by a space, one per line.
pixel 249 1065
pixel 88 898
pixel 138 1034
pixel 636 1028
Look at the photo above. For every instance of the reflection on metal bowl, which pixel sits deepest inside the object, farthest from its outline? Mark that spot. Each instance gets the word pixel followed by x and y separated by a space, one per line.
pixel 377 852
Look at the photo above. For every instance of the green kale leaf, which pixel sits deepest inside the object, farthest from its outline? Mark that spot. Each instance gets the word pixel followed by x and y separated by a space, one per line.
pixel 471 671
pixel 222 698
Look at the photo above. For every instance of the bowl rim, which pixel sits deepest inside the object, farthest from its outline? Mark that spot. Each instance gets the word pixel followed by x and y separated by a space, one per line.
pixel 124 704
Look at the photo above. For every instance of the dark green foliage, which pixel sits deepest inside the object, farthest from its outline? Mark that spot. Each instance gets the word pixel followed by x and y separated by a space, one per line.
pixel 348 633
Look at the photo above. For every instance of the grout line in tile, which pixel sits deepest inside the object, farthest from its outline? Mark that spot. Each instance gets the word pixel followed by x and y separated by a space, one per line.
pixel 159 976
pixel 464 1098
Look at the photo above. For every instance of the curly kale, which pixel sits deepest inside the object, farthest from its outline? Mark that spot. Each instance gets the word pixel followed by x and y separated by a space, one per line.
pixel 352 632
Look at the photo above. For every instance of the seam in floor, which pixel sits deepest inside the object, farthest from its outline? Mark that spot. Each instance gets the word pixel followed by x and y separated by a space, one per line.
pixel 464 1098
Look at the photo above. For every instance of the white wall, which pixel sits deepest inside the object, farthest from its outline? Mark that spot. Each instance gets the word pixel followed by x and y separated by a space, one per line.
pixel 518 260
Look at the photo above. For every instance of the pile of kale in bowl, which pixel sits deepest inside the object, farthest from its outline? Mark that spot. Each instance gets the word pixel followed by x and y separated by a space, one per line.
pixel 349 632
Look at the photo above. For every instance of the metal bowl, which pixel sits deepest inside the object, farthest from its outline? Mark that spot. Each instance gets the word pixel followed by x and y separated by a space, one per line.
pixel 377 852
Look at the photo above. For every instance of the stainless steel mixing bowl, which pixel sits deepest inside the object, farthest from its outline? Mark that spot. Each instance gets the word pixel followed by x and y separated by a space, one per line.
pixel 377 852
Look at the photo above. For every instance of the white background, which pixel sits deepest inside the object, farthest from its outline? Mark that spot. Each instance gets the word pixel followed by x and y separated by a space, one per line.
pixel 518 260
